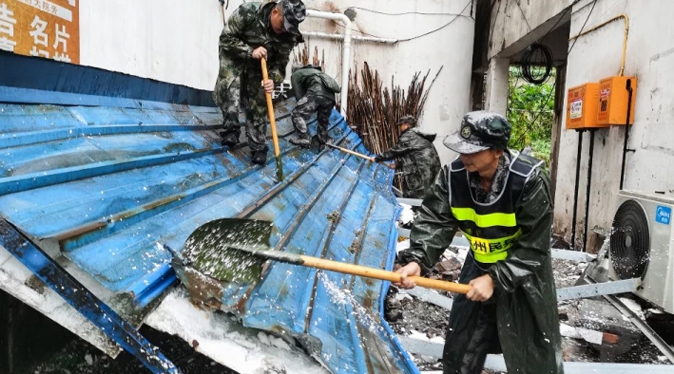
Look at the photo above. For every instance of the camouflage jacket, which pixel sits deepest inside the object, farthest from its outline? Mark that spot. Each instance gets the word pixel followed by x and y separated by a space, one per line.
pixel 248 28
pixel 415 154
pixel 309 80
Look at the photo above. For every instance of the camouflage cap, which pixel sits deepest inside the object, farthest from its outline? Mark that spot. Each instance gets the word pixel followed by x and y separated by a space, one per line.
pixel 294 13
pixel 410 120
pixel 480 130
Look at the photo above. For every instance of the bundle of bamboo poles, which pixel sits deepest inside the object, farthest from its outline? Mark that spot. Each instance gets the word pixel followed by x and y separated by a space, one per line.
pixel 301 56
pixel 374 110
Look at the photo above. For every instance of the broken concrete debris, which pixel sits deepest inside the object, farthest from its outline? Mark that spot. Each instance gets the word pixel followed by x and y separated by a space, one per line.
pixel 592 329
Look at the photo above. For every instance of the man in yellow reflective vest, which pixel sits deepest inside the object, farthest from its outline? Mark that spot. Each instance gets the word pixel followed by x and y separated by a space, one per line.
pixel 500 200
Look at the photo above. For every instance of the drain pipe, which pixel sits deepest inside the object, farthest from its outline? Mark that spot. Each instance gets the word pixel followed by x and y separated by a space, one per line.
pixel 346 51
pixel 359 38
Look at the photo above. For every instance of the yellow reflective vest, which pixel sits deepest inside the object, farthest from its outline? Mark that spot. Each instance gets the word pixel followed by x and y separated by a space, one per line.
pixel 490 228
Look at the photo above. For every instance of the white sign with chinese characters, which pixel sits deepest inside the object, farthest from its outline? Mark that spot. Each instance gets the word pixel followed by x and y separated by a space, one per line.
pixel 576 109
pixel 43 28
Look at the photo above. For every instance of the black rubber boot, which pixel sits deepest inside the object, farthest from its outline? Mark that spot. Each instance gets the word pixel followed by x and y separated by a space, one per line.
pixel 229 139
pixel 301 140
pixel 317 143
pixel 259 157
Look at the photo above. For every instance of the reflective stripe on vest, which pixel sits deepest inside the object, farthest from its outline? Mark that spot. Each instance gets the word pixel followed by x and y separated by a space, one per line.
pixel 488 251
pixel 485 220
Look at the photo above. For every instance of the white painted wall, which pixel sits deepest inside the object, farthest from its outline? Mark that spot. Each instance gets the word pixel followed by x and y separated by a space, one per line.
pixel 173 41
pixel 452 47
pixel 176 41
pixel 650 56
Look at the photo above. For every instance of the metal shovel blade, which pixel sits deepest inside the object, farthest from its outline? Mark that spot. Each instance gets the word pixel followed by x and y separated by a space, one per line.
pixel 224 249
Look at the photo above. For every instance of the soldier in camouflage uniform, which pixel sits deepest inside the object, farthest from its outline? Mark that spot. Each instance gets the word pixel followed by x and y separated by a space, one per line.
pixel 315 93
pixel 416 156
pixel 254 31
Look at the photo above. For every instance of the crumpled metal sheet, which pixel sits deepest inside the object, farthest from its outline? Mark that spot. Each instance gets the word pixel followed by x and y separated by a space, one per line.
pixel 102 186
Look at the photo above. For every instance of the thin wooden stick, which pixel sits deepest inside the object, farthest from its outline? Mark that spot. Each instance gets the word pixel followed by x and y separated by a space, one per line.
pixel 345 150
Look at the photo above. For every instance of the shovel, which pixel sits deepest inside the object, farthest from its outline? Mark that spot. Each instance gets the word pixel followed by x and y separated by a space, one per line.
pixel 371 159
pixel 235 250
pixel 272 123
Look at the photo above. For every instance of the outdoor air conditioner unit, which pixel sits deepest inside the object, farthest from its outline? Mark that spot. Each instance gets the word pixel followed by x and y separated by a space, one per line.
pixel 642 245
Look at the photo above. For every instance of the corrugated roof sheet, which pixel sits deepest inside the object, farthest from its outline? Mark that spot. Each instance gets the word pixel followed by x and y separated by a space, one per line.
pixel 102 185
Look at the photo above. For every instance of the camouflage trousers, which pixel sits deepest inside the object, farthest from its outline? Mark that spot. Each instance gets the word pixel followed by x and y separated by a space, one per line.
pixel 234 94
pixel 306 107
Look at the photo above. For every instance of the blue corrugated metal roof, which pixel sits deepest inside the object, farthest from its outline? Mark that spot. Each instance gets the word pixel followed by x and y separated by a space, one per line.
pixel 102 185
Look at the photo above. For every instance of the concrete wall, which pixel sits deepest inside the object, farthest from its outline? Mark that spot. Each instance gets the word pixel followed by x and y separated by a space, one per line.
pixel 650 56
pixel 518 23
pixel 173 41
pixel 452 47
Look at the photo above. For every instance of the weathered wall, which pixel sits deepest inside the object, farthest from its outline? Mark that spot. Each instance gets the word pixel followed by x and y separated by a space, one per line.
pixel 650 56
pixel 452 47
pixel 516 22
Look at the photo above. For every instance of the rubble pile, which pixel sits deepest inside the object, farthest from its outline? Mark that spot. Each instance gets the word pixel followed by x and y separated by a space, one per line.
pixel 592 329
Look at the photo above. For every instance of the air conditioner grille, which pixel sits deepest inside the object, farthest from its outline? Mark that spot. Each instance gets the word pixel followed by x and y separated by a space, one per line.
pixel 630 241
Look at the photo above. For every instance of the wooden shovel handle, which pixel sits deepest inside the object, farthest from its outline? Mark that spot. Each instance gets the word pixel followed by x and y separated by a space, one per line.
pixel 270 109
pixel 364 271
pixel 371 159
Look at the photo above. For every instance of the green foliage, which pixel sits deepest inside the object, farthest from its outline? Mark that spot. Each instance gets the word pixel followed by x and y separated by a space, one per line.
pixel 541 150
pixel 530 111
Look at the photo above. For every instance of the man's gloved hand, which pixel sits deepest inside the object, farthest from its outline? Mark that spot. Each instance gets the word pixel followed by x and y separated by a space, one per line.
pixel 377 158
pixel 259 52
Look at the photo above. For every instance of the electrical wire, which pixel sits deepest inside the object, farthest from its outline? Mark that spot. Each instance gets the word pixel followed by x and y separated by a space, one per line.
pixel 406 13
pixel 536 54
pixel 523 16
pixel 533 121
pixel 568 9
pixel 439 28
pixel 418 36
pixel 582 28
pixel 531 124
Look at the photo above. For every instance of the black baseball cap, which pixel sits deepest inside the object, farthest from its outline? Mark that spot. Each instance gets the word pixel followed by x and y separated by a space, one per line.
pixel 480 130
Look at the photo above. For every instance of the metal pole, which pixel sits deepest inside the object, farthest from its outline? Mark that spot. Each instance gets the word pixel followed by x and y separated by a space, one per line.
pixel 628 87
pixel 575 191
pixel 588 189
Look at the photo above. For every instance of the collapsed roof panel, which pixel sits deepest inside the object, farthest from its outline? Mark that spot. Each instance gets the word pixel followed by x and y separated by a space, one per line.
pixel 97 187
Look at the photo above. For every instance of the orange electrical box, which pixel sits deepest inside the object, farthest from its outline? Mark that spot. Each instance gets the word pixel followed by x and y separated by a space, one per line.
pixel 613 97
pixel 581 106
